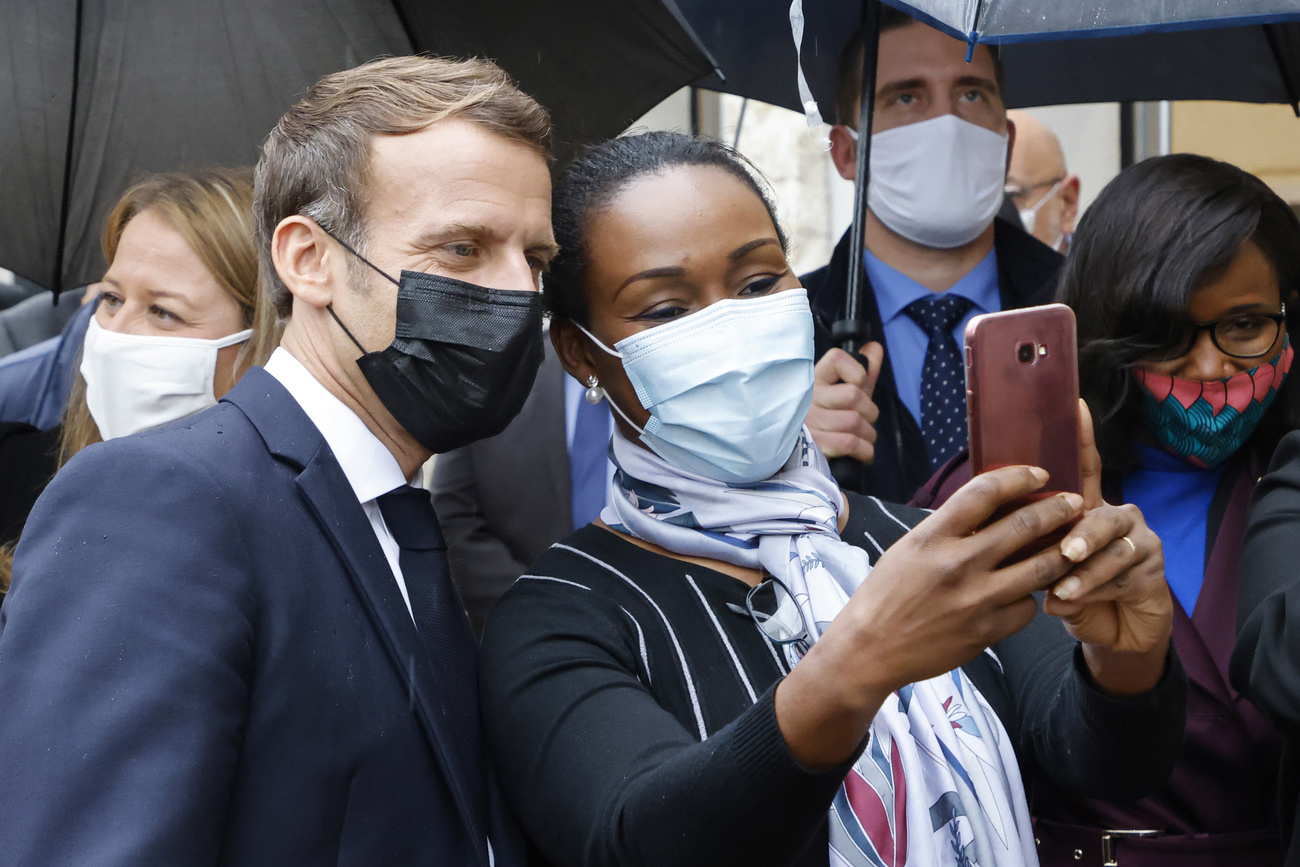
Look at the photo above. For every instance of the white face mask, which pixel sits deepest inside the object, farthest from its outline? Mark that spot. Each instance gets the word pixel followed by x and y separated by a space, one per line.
pixel 1029 216
pixel 938 182
pixel 135 382
pixel 727 387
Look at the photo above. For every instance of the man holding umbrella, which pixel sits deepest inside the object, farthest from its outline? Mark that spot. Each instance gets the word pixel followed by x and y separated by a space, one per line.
pixel 935 256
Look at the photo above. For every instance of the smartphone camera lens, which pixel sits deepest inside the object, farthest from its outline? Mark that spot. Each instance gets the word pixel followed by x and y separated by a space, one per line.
pixel 1025 353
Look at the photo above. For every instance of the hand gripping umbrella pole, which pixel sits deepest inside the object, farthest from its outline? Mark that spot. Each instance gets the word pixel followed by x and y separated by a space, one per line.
pixel 852 330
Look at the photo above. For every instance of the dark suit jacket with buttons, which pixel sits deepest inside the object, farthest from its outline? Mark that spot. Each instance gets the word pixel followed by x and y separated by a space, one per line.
pixel 1027 271
pixel 504 500
pixel 205 659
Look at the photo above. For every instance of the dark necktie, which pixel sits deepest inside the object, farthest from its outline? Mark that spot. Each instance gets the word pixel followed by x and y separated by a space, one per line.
pixel 943 379
pixel 588 474
pixel 443 629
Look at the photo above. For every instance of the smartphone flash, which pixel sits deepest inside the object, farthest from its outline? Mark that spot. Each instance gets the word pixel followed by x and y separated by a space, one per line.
pixel 1042 349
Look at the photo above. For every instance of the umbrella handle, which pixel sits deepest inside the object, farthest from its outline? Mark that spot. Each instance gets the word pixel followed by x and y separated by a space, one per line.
pixel 846 469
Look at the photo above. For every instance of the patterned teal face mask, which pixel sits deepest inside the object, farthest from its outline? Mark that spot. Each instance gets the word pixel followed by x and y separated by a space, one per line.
pixel 1206 422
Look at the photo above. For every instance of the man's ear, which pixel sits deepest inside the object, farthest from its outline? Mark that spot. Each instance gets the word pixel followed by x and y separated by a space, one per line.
pixel 1070 200
pixel 1011 141
pixel 572 348
pixel 844 152
pixel 309 265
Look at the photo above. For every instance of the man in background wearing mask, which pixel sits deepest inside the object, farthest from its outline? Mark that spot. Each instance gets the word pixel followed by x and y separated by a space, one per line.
pixel 1044 192
pixel 232 639
pixel 935 256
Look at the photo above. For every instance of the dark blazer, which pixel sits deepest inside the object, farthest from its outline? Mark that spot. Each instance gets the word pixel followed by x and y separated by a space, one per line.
pixel 1224 784
pixel 1266 662
pixel 504 500
pixel 205 659
pixel 1027 271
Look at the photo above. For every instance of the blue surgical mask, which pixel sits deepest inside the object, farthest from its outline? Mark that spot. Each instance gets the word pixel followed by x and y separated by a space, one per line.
pixel 727 388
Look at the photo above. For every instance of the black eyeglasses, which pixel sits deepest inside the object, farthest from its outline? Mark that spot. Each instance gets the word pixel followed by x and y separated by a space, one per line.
pixel 1241 335
pixel 773 608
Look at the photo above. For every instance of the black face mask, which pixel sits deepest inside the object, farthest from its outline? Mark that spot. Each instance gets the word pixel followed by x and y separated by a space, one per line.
pixel 462 362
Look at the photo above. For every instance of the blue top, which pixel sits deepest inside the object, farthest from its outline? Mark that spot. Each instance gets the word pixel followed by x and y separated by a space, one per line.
pixel 906 340
pixel 1175 498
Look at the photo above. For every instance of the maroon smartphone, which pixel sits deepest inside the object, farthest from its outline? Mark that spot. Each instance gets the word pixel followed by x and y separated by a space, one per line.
pixel 1022 393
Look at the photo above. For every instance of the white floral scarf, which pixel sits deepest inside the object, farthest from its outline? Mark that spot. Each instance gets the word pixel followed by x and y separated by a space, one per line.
pixel 938 783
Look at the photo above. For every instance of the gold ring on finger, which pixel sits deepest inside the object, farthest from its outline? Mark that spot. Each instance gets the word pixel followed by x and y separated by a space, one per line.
pixel 1130 544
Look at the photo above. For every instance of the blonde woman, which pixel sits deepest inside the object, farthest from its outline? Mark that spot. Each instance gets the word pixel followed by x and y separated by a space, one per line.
pixel 180 319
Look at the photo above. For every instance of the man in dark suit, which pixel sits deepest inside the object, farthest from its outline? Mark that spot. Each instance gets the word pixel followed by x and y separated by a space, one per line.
pixel 935 255
pixel 504 500
pixel 232 639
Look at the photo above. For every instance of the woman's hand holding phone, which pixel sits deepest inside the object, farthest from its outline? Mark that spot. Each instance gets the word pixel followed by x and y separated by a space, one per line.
pixel 935 599
pixel 1115 600
pixel 950 588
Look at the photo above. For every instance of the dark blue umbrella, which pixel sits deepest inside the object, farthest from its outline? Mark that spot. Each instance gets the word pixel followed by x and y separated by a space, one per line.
pixel 1001 21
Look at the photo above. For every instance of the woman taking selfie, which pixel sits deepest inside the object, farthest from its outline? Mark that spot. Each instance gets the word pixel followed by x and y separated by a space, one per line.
pixel 738 664
pixel 1182 276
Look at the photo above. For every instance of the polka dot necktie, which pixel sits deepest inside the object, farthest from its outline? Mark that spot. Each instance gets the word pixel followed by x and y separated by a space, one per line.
pixel 943 379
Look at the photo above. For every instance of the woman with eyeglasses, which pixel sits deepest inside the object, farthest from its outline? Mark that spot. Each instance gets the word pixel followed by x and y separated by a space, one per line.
pixel 1181 276
pixel 739 664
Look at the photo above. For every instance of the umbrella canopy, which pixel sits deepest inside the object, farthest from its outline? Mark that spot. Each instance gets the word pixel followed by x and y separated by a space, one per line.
pixel 1034 20
pixel 1245 63
pixel 95 93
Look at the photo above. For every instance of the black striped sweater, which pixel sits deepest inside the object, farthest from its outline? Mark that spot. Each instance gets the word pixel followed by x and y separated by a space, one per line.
pixel 629 711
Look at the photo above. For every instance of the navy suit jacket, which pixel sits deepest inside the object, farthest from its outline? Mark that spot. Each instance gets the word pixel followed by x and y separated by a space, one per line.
pixel 205 659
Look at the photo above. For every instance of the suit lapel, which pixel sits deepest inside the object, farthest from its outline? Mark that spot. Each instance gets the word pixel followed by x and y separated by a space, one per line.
pixel 1215 616
pixel 291 436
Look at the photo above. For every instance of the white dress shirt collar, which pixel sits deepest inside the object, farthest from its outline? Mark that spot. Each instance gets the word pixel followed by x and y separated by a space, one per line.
pixel 370 467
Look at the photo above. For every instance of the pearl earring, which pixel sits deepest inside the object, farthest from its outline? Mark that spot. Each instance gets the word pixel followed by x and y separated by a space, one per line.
pixel 594 392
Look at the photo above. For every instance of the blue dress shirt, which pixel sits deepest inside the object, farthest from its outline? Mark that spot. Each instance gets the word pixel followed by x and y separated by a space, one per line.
pixel 582 501
pixel 906 340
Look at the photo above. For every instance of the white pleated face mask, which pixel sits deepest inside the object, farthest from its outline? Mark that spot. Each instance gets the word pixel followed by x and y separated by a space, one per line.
pixel 727 387
pixel 938 182
pixel 135 382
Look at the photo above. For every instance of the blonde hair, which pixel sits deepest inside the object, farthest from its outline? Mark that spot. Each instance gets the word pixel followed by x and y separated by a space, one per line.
pixel 6 567
pixel 212 209
pixel 314 162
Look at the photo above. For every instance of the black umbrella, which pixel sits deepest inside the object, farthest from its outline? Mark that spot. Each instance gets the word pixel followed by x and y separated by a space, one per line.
pixel 94 93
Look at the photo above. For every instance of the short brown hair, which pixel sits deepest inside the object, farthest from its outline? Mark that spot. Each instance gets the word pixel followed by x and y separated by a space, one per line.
pixel 848 75
pixel 314 162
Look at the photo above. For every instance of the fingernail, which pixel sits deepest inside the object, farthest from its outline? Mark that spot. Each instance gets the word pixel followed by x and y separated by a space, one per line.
pixel 1074 551
pixel 1075 501
pixel 1039 473
pixel 1067 589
